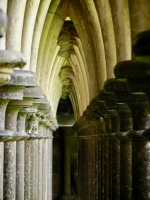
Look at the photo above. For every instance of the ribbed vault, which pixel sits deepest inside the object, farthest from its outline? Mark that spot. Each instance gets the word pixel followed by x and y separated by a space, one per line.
pixel 73 45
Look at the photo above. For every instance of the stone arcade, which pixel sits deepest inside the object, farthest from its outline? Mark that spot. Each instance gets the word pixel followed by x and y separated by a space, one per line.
pixel 74 100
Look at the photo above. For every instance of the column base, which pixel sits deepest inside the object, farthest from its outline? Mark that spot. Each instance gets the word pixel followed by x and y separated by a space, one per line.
pixel 69 197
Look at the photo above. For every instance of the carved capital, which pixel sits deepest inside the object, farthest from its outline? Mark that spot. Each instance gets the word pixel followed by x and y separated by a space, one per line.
pixel 66 81
pixel 65 42
pixel 32 123
pixel 9 59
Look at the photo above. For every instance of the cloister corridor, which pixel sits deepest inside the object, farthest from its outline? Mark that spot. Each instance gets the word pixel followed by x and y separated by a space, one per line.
pixel 74 99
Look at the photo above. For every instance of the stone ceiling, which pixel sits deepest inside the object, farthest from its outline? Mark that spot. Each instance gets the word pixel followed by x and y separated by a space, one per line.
pixel 73 45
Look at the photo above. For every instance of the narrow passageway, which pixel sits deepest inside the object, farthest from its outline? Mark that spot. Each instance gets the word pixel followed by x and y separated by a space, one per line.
pixel 74 99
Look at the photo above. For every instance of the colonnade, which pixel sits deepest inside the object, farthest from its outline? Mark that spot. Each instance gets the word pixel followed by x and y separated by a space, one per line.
pixel 114 133
pixel 26 133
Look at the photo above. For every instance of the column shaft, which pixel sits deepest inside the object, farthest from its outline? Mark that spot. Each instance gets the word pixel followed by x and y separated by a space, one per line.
pixel 40 169
pixel 27 171
pixel 105 170
pixel 125 169
pixel 89 167
pixel 9 170
pixel 49 169
pixel 3 105
pixel 33 169
pixel 10 154
pixel 20 158
pixel 67 165
pixel 1 168
pixel 44 169
pixel 20 170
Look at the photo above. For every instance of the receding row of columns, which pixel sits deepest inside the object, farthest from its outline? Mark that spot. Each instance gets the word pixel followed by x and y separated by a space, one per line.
pixel 26 134
pixel 114 145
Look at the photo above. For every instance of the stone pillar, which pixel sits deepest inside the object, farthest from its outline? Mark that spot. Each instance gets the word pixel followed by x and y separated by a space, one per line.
pixel 41 145
pixel 49 162
pixel 27 170
pixel 114 158
pixel 25 78
pixel 125 152
pixel 8 61
pixel 10 153
pixel 125 144
pixel 114 146
pixel 12 113
pixel 40 162
pixel 104 131
pixel 136 72
pixel 67 165
pixel 4 136
pixel 20 161
pixel 31 156
pixel 44 169
pixel 19 79
pixel 31 151
pixel 1 167
pixel 88 130
pixel 51 126
pixel 139 106
pixel 21 178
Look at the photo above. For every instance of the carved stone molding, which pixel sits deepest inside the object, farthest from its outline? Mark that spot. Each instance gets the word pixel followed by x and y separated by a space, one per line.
pixel 66 87
pixel 51 122
pixel 66 40
pixel 32 124
pixel 67 83
pixel 9 59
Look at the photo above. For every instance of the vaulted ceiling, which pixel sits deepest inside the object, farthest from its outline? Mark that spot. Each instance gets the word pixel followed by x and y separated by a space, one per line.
pixel 73 45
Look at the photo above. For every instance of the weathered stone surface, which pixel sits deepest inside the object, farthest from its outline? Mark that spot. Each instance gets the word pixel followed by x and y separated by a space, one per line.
pixel 11 59
pixel 23 77
pixel 35 92
pixel 11 92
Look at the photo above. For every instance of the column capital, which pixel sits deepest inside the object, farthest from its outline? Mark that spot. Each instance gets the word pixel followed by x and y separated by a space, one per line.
pixel 9 59
pixel 51 122
pixel 138 104
pixel 32 124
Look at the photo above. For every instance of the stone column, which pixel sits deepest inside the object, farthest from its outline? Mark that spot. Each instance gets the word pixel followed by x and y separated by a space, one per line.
pixel 67 165
pixel 104 131
pixel 20 158
pixel 139 107
pixel 40 163
pixel 49 162
pixel 114 145
pixel 11 117
pixel 125 144
pixel 22 78
pixel 8 61
pixel 136 72
pixel 19 79
pixel 3 137
pixel 41 145
pixel 51 126
pixel 114 158
pixel 27 170
pixel 87 127
pixel 125 151
pixel 31 154
pixel 10 153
